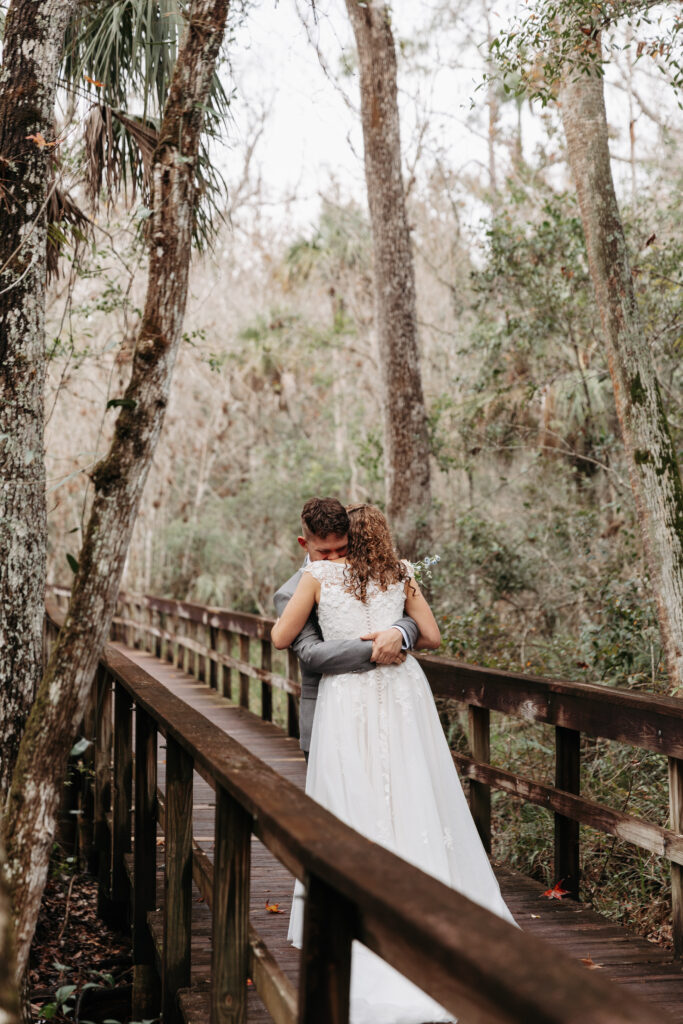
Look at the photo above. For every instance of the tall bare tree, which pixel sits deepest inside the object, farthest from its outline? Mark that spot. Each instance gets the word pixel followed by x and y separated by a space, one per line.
pixel 118 479
pixel 406 441
pixel 653 467
pixel 32 50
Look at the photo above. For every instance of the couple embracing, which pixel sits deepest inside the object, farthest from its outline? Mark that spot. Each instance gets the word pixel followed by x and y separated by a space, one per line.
pixel 377 755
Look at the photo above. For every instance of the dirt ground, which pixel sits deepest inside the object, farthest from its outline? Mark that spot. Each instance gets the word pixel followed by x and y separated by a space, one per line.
pixel 79 970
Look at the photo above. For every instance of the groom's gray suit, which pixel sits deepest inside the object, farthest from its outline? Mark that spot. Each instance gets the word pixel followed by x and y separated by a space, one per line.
pixel 317 656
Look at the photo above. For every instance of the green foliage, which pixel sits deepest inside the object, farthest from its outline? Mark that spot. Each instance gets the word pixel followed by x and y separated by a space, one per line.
pixel 551 38
pixel 127 49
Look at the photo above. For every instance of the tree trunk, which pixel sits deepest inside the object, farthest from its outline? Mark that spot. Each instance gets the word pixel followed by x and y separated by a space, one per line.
pixel 653 468
pixel 9 995
pixel 32 49
pixel 406 441
pixel 118 479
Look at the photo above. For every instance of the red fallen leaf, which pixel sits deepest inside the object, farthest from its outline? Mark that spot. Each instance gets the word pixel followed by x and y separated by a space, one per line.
pixel 93 81
pixel 273 908
pixel 557 892
pixel 590 963
pixel 250 983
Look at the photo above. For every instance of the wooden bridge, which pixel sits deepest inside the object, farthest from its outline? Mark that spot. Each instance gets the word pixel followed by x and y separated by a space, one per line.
pixel 195 821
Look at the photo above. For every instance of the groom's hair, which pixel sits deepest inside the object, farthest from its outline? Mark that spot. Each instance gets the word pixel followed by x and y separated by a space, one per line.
pixel 323 516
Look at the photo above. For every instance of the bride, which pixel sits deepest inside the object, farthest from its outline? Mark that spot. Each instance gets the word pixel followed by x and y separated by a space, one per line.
pixel 379 759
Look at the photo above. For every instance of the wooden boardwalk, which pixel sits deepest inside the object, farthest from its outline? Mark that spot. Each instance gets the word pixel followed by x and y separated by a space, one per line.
pixel 639 966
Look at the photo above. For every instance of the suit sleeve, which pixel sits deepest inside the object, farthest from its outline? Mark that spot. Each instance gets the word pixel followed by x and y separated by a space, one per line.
pixel 410 628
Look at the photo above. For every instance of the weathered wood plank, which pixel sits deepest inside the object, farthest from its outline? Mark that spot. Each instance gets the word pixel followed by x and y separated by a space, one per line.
pixel 121 803
pixel 661 841
pixel 178 878
pixel 244 676
pixel 145 979
pixel 266 690
pixel 329 928
pixel 480 792
pixel 292 709
pixel 568 779
pixel 230 904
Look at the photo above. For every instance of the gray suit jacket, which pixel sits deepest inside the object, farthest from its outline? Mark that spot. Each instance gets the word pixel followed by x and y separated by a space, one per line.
pixel 317 656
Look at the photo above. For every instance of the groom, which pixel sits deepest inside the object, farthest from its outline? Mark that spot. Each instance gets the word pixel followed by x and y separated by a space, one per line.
pixel 324 535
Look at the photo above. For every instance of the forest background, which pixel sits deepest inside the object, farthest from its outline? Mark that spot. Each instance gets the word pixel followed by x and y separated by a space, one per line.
pixel 277 395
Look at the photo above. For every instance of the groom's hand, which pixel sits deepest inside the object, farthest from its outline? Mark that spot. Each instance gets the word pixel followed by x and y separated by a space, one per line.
pixel 386 646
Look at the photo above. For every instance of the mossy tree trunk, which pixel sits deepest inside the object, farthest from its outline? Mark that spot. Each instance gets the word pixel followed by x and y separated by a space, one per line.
pixel 653 468
pixel 406 440
pixel 32 48
pixel 118 479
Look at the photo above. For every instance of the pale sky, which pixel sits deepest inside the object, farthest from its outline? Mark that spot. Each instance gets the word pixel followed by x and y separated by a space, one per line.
pixel 312 134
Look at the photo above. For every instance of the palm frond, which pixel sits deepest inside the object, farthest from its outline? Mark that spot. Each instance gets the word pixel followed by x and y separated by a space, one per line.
pixel 128 48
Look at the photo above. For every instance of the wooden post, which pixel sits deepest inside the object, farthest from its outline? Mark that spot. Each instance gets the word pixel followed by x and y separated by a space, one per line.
pixel 480 793
pixel 224 646
pixel 244 677
pixel 676 812
pixel 102 803
pixel 121 804
pixel 567 777
pixel 177 879
pixel 145 980
pixel 148 614
pixel 177 645
pixel 187 653
pixel 292 710
pixel 204 661
pixel 165 651
pixel 326 956
pixel 230 946
pixel 214 668
pixel 195 656
pixel 129 631
pixel 266 688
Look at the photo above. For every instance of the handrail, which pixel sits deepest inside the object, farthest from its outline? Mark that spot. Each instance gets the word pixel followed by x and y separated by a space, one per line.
pixel 471 961
pixel 207 635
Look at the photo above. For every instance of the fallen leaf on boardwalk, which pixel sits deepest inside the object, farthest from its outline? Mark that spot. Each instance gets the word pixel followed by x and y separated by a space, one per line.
pixel 557 892
pixel 535 915
pixel 250 983
pixel 273 908
pixel 590 963
pixel 93 81
pixel 161 840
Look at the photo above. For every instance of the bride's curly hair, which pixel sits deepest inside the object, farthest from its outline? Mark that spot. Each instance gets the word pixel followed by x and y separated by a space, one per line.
pixel 371 555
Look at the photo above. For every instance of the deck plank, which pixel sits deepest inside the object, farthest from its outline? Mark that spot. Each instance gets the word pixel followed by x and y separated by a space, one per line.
pixel 576 929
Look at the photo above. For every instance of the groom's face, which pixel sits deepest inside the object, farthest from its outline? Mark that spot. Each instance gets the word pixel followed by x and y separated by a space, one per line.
pixel 335 545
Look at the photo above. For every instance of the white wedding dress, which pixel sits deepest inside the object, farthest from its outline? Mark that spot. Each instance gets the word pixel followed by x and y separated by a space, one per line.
pixel 379 760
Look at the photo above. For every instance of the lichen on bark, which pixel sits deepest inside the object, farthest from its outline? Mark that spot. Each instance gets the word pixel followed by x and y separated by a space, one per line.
pixel 32 47
pixel 118 480
pixel 653 466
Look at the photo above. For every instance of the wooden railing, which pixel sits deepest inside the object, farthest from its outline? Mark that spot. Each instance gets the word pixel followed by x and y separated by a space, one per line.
pixel 203 639
pixel 469 960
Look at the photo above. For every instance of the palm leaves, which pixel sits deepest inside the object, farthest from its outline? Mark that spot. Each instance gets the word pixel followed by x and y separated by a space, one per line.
pixel 122 55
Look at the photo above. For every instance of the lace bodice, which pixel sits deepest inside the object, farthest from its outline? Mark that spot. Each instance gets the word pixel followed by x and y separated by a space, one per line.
pixel 342 616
